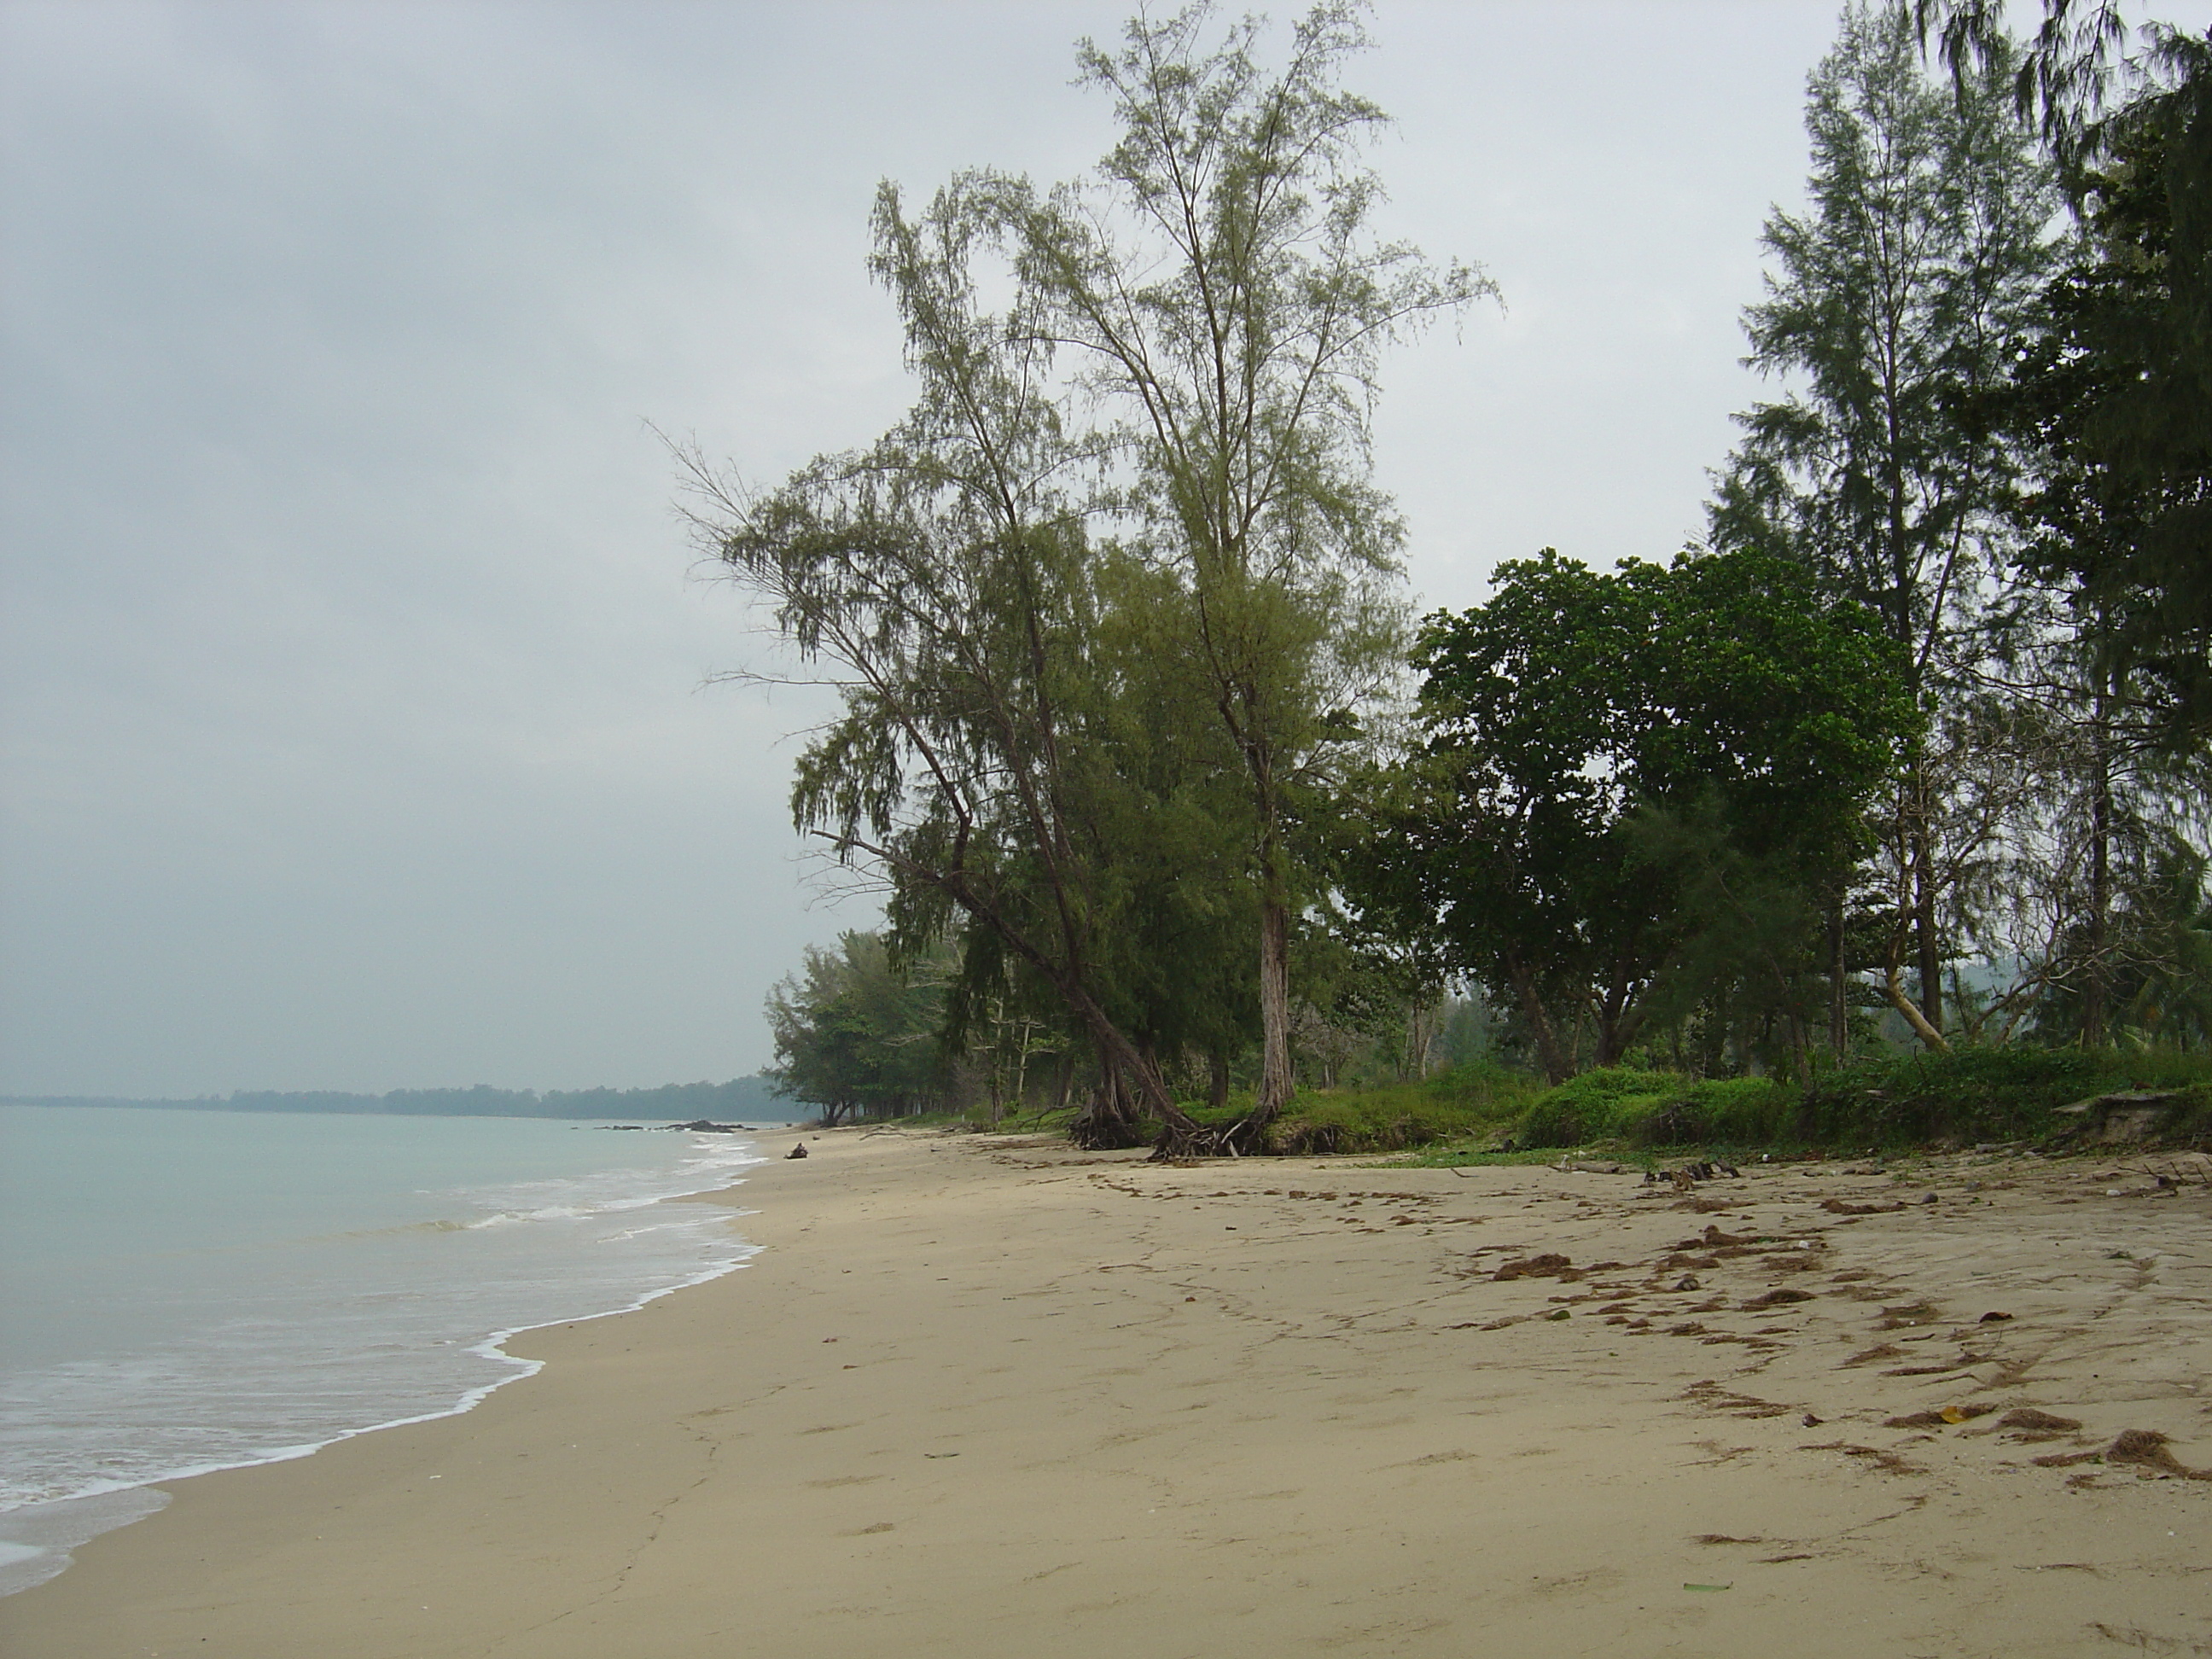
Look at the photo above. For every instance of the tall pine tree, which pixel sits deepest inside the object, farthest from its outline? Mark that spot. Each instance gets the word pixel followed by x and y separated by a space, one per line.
pixel 1889 309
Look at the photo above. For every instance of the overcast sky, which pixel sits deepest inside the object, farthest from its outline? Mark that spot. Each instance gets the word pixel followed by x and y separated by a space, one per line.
pixel 356 725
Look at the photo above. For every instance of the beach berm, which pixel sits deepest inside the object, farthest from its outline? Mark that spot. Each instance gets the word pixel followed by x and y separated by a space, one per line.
pixel 991 1396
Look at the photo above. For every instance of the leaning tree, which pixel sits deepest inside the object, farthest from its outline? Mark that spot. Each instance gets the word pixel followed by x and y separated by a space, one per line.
pixel 945 581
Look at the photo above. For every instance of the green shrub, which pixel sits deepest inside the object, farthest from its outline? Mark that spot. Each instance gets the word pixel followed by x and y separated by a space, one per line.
pixel 1730 1111
pixel 1973 1094
pixel 1475 1099
pixel 1595 1106
pixel 1481 1085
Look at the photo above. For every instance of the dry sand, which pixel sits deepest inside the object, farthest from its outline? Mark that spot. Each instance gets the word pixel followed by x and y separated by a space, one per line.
pixel 987 1397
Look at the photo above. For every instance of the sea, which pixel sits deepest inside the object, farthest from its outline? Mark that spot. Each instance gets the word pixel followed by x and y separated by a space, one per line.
pixel 183 1291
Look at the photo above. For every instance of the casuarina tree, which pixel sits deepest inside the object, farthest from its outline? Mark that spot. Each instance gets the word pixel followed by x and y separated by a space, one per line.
pixel 1228 299
pixel 945 580
pixel 1890 309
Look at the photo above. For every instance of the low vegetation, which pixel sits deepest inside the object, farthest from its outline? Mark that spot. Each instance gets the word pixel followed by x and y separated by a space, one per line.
pixel 1483 1112
pixel 1915 1100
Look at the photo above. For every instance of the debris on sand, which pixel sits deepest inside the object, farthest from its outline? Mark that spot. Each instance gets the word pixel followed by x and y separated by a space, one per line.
pixel 1776 1298
pixel 1888 1462
pixel 2146 1448
pixel 1911 1313
pixel 1548 1266
pixel 1714 1397
pixel 1690 1174
pixel 1879 1350
pixel 2029 1420
pixel 1936 1419
pixel 1715 1239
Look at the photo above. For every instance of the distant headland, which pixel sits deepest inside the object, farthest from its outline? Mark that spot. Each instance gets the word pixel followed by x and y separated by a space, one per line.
pixel 738 1098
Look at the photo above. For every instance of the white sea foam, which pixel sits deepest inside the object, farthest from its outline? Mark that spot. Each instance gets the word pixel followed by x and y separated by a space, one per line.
pixel 242 1329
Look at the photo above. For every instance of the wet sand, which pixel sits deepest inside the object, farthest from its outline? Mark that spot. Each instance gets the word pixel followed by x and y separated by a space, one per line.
pixel 994 1397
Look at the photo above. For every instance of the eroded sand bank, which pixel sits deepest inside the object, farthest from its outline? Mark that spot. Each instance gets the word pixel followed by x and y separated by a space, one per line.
pixel 997 1398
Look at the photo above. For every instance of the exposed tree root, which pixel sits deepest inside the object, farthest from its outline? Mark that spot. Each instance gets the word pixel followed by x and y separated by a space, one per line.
pixel 1241 1138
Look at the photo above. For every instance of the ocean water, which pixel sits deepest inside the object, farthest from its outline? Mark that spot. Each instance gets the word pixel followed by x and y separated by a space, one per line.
pixel 186 1291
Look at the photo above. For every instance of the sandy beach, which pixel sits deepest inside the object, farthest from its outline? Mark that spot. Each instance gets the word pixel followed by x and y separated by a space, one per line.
pixel 995 1397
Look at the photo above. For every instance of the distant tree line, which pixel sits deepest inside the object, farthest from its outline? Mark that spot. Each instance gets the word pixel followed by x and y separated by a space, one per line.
pixel 1172 801
pixel 738 1098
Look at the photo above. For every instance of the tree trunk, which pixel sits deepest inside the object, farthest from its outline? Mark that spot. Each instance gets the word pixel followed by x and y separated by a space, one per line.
pixel 1276 1083
pixel 1116 1053
pixel 1839 1026
pixel 1920 858
pixel 1216 1081
pixel 1420 1037
pixel 1558 1068
pixel 2096 992
pixel 1249 1133
pixel 1111 1120
pixel 1904 1004
pixel 1120 1056
pixel 1275 1080
pixel 1022 1066
pixel 1618 1021
pixel 1615 1033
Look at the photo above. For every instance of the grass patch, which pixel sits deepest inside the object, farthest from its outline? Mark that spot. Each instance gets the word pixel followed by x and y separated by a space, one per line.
pixel 1973 1095
pixel 1660 1108
pixel 1482 1113
pixel 1920 1100
pixel 1474 1101
pixel 1978 1094
pixel 1656 1109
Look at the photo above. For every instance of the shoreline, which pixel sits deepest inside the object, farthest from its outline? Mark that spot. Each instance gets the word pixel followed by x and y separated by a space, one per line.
pixel 39 1540
pixel 985 1395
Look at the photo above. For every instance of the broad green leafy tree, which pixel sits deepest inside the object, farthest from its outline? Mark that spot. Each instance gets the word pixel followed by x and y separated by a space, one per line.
pixel 857 1037
pixel 1635 789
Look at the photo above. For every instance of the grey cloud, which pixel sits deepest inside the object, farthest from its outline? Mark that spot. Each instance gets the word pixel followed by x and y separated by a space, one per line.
pixel 355 734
